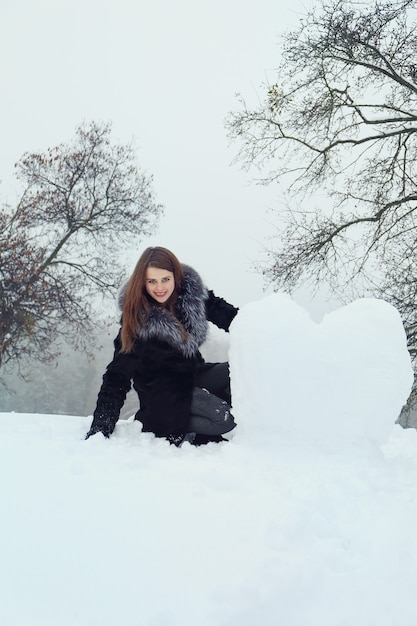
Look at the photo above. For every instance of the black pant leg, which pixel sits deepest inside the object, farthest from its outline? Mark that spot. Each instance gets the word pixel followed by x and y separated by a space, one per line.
pixel 209 414
pixel 215 377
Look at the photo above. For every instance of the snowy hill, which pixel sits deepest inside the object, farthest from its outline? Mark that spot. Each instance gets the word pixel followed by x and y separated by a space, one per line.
pixel 307 516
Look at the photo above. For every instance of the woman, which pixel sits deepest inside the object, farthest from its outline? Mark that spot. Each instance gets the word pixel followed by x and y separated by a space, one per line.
pixel 165 314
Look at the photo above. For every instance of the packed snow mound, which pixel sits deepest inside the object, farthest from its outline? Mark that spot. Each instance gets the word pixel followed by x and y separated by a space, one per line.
pixel 333 384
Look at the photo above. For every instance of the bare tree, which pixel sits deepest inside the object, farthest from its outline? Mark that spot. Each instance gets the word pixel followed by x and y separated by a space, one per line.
pixel 60 247
pixel 341 119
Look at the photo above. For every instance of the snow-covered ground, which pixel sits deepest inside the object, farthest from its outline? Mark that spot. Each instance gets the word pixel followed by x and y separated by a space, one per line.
pixel 306 517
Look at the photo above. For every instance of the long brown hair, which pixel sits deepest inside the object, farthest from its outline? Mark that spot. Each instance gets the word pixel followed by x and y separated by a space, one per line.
pixel 136 306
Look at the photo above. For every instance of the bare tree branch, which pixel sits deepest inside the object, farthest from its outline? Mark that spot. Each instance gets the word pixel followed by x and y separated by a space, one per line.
pixel 60 246
pixel 341 118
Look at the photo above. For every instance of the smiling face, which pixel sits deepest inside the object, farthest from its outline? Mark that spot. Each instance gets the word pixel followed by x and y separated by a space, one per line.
pixel 159 284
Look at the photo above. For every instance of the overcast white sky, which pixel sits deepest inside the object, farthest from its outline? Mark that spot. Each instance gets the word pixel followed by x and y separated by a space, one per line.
pixel 164 72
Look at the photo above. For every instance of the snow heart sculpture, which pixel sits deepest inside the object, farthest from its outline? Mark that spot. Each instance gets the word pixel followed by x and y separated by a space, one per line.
pixel 333 384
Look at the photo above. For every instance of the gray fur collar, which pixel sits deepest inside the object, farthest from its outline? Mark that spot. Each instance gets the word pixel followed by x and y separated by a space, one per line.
pixel 190 310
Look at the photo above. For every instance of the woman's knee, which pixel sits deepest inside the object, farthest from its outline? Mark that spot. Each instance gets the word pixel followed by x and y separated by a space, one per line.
pixel 210 414
pixel 215 378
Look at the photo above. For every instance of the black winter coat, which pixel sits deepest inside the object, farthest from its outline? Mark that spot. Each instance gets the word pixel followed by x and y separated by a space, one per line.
pixel 162 365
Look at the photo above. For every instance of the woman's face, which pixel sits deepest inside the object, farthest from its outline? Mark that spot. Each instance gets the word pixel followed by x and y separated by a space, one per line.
pixel 159 284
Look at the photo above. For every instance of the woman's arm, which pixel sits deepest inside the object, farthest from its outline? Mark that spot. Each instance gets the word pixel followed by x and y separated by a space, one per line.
pixel 219 311
pixel 113 391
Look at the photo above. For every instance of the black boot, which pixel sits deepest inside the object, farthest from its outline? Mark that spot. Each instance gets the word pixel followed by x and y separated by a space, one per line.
pixel 202 440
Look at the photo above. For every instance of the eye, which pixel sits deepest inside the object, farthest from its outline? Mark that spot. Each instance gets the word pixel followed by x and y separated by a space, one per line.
pixel 166 279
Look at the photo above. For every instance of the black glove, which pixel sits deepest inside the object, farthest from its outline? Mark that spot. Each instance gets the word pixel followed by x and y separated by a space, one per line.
pixel 103 429
pixel 175 440
pixel 178 440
